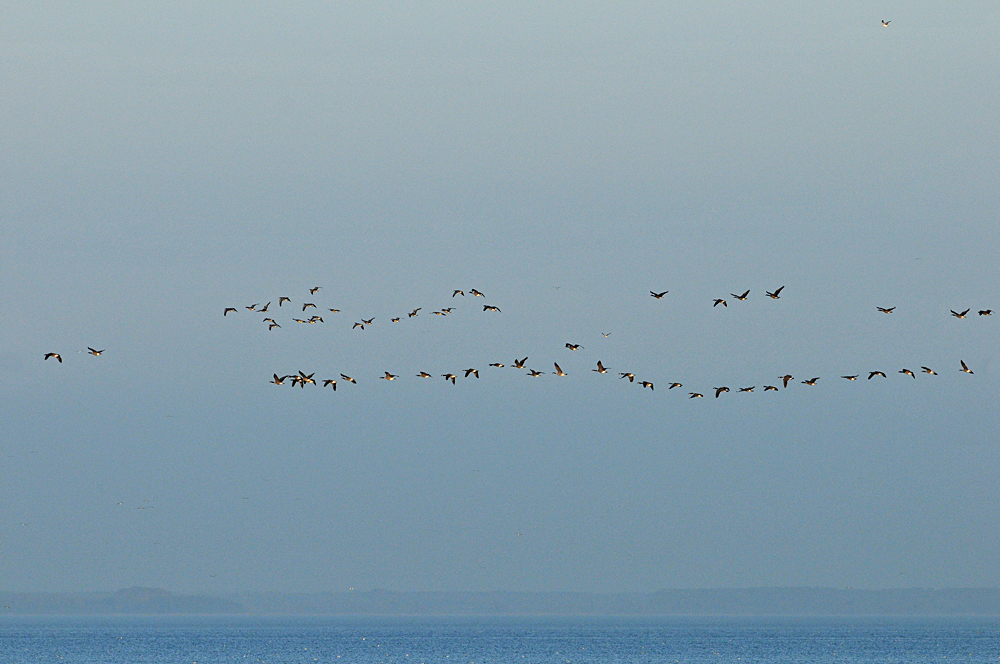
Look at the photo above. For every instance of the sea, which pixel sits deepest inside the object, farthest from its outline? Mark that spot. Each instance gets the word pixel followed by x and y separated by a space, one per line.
pixel 562 640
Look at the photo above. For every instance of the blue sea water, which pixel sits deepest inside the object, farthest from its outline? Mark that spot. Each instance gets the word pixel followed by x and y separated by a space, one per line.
pixel 209 640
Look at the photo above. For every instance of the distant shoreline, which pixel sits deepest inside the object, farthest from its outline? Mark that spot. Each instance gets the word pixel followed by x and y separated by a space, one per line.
pixel 723 602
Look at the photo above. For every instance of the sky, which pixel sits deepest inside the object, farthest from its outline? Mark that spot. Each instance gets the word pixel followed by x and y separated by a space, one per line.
pixel 160 162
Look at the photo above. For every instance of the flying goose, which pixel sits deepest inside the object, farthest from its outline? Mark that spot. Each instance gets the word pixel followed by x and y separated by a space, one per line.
pixel 283 299
pixel 331 382
pixel 748 389
pixel 558 371
pixel 717 301
pixel 475 372
pixel 458 292
pixel 476 293
pixel 928 370
pixel 886 310
pixel 601 369
pixel 519 364
pixel 811 381
pixel 872 374
pixel 499 365
pixel 424 374
pixel 959 315
pixel 658 296
pixel 574 346
pixel 695 395
pixel 741 297
pixel 770 388
pixel 720 390
pixel 646 383
pixel 449 376
pixel 348 379
pixel 908 373
pixel 306 305
pixel 225 312
pixel 854 377
pixel 312 291
pixel 93 351
pixel 985 312
pixel 277 380
pixel 487 307
pixel 775 295
pixel 965 368
pixel 533 373
pixel 55 355
pixel 414 312
pixel 630 376
pixel 388 376
pixel 785 379
pixel 673 385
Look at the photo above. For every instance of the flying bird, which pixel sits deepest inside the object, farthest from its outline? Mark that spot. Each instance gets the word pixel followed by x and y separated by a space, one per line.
pixel 361 325
pixel 965 368
pixel 449 376
pixel 331 382
pixel 225 312
pixel 959 315
pixel 811 381
pixel 394 320
pixel 93 351
pixel 263 310
pixel 306 305
pixel 630 376
pixel 252 307
pixel 854 377
pixel 673 385
pixel 369 321
pixel 533 373
pixel 741 297
pixel 388 376
pixel 424 374
pixel 716 302
pixel 414 312
pixel 476 293
pixel 601 369
pixel 872 374
pixel 558 371
pixel 472 371
pixel 775 295
pixel 928 370
pixel 487 307
pixel 519 364
pixel 277 380
pixel 985 312
pixel 748 389
pixel 574 346
pixel 335 311
pixel 55 355
pixel 885 310
pixel 283 299
pixel 312 291
pixel 606 334
pixel 658 296
pixel 348 379
pixel 720 390
pixel 458 292
pixel 770 388
pixel 646 383
pixel 499 365
pixel 785 379
pixel 908 373
pixel 885 24
pixel 695 395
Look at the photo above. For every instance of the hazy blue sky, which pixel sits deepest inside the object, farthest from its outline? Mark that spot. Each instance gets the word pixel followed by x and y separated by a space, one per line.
pixel 161 161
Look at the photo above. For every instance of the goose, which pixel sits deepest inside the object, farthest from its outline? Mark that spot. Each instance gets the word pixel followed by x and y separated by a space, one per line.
pixel 55 355
pixel 315 319
pixel 928 370
pixel 447 310
pixel 748 389
pixel 331 382
pixel 658 296
pixel 959 315
pixel 854 377
pixel 872 374
pixel 770 388
pixel 369 321
pixel 775 295
pixel 388 376
pixel 449 376
pixel 348 379
pixel 885 310
pixel 720 390
pixel 630 376
pixel 985 312
pixel 487 307
pixel 253 307
pixel 519 364
pixel 93 351
pixel 498 365
pixel 646 383
pixel 283 299
pixel 785 379
pixel 695 395
pixel 414 312
pixel 278 381
pixel 475 372
pixel 306 305
pixel 458 292
pixel 272 326
pixel 361 325
pixel 601 369
pixel 673 385
pixel 225 312
pixel 439 313
pixel 885 24
pixel 606 334
pixel 908 373
pixel 394 320
pixel 263 309
pixel 965 368
pixel 741 297
pixel 424 374
pixel 716 302
pixel 533 373
pixel 314 289
pixel 334 311
pixel 811 381
pixel 476 293
pixel 558 371
pixel 574 346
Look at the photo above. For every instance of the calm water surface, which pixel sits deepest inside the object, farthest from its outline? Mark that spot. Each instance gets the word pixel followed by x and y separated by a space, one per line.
pixel 450 640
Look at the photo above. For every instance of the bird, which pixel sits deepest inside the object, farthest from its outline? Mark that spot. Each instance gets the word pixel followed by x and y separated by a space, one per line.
pixel 775 295
pixel 908 373
pixel 716 302
pixel 499 365
pixel 458 292
pixel 673 385
pixel 533 373
pixel 335 311
pixel 331 382
pixel 574 346
pixel 928 370
pixel 369 321
pixel 646 383
pixel 306 305
pixel 93 351
pixel 630 376
pixel 695 395
pixel 225 312
pixel 55 355
pixel 388 376
pixel 394 320
pixel 263 309
pixel 252 307
pixel 741 297
pixel 985 312
pixel 854 377
pixel 606 334
pixel 269 320
pixel 472 371
pixel 785 379
pixel 558 371
pixel 811 381
pixel 283 299
pixel 447 310
pixel 476 293
pixel 449 376
pixel 885 24
pixel 965 367
pixel 770 388
pixel 959 315
pixel 361 325
pixel 487 307
pixel 872 374
pixel 720 390
pixel 348 379
pixel 886 310
pixel 519 364
pixel 272 326
pixel 439 313
pixel 424 374
pixel 748 389
pixel 315 319
pixel 601 369
pixel 312 291
pixel 299 320
pixel 303 379
pixel 277 380
pixel 658 296
pixel 414 312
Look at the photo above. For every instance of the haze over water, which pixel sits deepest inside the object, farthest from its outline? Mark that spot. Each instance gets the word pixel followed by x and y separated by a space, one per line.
pixel 159 163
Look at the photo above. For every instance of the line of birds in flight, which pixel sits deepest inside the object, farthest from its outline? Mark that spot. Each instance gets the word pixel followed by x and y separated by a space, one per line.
pixel 302 379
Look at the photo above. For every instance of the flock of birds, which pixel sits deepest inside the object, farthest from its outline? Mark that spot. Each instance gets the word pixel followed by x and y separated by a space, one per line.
pixel 303 379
